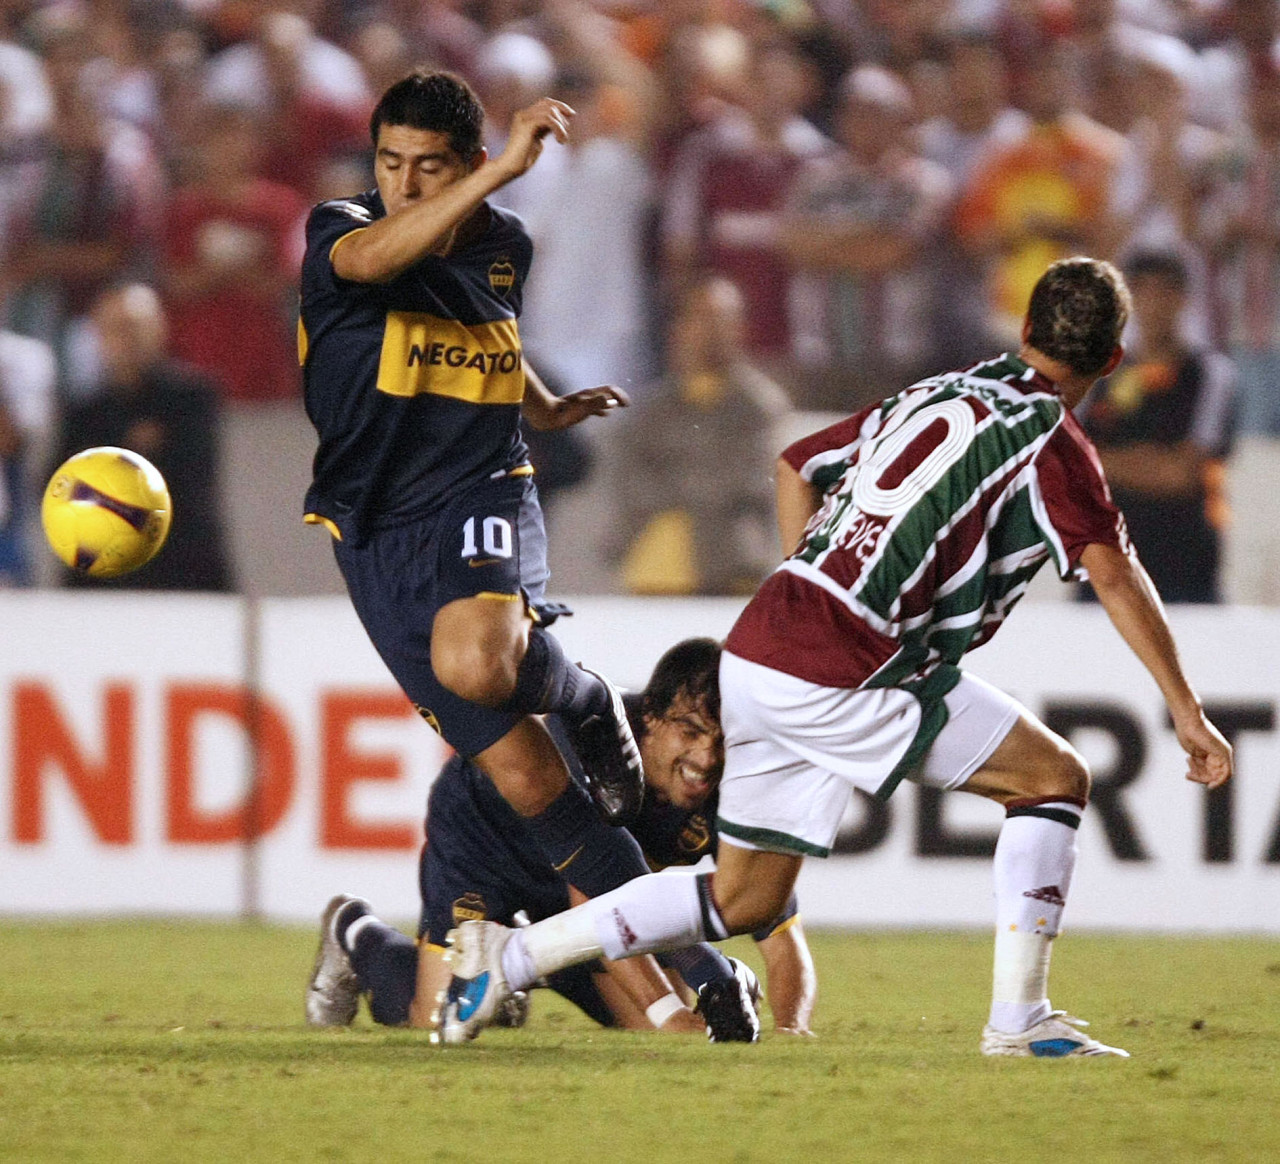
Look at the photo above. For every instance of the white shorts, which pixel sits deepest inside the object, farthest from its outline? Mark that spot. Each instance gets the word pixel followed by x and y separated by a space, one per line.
pixel 795 751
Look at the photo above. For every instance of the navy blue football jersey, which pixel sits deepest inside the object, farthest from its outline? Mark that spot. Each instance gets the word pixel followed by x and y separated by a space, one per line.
pixel 414 386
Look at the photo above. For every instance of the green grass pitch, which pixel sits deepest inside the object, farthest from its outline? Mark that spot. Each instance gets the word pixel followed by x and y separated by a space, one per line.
pixel 168 1041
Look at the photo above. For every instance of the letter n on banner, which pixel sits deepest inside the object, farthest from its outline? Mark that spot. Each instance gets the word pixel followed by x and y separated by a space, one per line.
pixel 42 740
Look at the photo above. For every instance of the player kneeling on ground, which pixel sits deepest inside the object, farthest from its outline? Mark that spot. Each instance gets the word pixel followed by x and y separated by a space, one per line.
pixel 480 861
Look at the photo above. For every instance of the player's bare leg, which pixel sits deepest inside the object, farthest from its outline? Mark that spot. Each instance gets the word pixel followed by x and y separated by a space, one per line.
pixel 487 650
pixel 1043 784
pixel 433 977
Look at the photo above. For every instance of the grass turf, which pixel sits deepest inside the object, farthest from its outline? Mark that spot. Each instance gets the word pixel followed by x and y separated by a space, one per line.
pixel 160 1041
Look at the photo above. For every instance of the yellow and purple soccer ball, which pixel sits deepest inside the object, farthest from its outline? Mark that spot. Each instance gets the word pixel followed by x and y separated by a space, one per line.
pixel 106 511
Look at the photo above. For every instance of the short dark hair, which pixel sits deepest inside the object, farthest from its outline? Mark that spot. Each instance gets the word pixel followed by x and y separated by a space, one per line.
pixel 690 668
pixel 437 101
pixel 1158 263
pixel 1078 309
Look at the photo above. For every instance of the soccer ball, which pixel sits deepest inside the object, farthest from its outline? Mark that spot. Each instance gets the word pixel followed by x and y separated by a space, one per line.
pixel 106 511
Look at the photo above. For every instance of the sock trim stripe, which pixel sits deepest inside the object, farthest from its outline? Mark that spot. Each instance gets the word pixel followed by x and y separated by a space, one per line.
pixel 1061 815
pixel 1037 801
pixel 713 926
pixel 352 934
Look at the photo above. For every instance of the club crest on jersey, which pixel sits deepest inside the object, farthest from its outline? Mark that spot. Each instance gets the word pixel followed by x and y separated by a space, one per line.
pixel 695 837
pixel 469 907
pixel 430 717
pixel 502 277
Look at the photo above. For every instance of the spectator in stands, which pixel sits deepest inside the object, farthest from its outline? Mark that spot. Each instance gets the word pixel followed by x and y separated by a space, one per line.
pixel 26 113
pixel 977 120
pixel 303 128
pixel 27 407
pixel 1249 47
pixel 1049 194
pixel 1162 425
pixel 514 69
pixel 859 227
pixel 94 213
pixel 587 297
pixel 241 73
pixel 694 459
pixel 170 414
pixel 1168 170
pixel 1241 232
pixel 727 194
pixel 234 241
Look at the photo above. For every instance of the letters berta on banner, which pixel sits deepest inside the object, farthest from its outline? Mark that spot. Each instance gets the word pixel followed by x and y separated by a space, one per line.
pixel 128 738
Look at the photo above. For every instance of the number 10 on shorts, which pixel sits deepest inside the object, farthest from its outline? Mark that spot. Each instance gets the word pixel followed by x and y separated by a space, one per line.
pixel 495 533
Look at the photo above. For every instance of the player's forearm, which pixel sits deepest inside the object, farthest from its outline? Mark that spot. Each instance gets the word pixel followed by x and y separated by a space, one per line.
pixel 1134 607
pixel 391 245
pixel 791 982
pixel 539 403
pixel 645 984
pixel 797 501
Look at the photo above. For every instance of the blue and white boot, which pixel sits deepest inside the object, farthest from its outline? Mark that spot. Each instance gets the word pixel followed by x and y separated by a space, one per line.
pixel 478 988
pixel 1055 1037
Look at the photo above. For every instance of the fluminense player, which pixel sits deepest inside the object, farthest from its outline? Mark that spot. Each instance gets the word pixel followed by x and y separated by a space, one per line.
pixel 415 381
pixel 919 522
pixel 480 861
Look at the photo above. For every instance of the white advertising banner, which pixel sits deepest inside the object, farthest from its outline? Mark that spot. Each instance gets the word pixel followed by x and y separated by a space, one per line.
pixel 127 737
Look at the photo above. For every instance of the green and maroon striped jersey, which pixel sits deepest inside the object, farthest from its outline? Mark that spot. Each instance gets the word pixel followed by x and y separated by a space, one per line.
pixel 939 506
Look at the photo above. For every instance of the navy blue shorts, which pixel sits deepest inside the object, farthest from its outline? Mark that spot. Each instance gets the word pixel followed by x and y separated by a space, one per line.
pixel 490 540
pixel 480 861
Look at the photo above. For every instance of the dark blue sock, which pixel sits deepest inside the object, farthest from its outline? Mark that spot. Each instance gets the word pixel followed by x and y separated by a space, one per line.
pixel 592 856
pixel 547 682
pixel 386 963
pixel 697 965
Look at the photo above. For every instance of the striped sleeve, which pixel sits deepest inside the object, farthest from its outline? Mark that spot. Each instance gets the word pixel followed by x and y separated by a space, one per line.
pixel 1075 508
pixel 821 457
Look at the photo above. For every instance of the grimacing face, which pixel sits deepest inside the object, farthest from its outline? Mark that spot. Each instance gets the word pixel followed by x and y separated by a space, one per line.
pixel 411 165
pixel 683 753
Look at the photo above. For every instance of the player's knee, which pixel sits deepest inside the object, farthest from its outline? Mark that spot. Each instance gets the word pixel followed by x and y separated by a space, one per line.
pixel 477 672
pixel 1070 778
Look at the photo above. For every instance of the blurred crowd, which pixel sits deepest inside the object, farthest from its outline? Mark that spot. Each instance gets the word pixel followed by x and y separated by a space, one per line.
pixel 767 207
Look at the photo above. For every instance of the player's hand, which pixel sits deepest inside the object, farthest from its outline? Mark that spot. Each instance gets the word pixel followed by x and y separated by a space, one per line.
pixel 566 411
pixel 1209 756
pixel 529 129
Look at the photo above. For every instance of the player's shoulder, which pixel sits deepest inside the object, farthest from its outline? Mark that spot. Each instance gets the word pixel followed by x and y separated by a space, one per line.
pixel 506 223
pixel 507 232
pixel 1007 383
pixel 352 213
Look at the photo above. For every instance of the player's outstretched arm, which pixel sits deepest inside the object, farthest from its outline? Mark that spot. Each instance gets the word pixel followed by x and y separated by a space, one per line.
pixel 545 411
pixel 791 982
pixel 1131 601
pixel 388 247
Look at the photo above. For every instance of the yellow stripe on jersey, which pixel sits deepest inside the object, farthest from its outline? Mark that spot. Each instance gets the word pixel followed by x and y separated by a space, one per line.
pixel 303 343
pixel 338 242
pixel 316 519
pixel 481 363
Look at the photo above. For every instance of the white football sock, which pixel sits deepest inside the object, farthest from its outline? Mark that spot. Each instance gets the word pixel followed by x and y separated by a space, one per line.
pixel 1034 861
pixel 644 916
